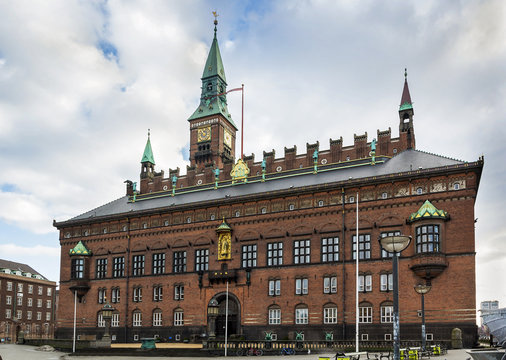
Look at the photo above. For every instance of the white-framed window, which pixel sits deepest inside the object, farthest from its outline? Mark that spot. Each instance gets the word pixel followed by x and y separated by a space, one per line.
pixel 301 286
pixel 137 294
pixel 274 316
pixel 39 290
pixel 178 292
pixel 19 300
pixel 49 290
pixel 330 284
pixel 28 315
pixel 237 213
pixel 429 337
pixel 39 315
pixel 157 317
pixel 19 314
pixel 351 199
pixel 115 295
pixel 364 283
pixel 386 282
pixel 364 337
pixel 157 293
pixel 48 304
pixel 291 207
pixel 7 313
pixel 9 286
pixel 387 314
pixel 419 191
pixel 39 303
pixel 178 317
pixel 137 318
pixel 365 313
pixel 384 195
pixel 48 316
pixel 388 337
pixel 330 315
pixel 20 288
pixel 30 302
pixel 30 289
pixel 320 203
pixel 101 295
pixel 301 315
pixel 275 287
pixel 100 320
pixel 115 320
pixel 263 210
pixel 136 337
pixel 8 300
pixel 456 186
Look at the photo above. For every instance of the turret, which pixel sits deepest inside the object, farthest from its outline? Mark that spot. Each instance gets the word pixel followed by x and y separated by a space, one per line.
pixel 406 112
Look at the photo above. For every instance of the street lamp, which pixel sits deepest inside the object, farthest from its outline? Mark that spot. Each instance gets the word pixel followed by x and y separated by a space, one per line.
pixel 422 290
pixel 212 312
pixel 395 244
pixel 107 316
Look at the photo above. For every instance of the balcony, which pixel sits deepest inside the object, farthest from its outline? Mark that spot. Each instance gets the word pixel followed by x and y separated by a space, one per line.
pixel 428 265
pixel 81 286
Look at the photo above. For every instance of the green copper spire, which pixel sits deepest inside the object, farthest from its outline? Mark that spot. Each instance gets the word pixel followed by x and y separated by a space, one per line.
pixel 80 249
pixel 406 97
pixel 213 99
pixel 148 153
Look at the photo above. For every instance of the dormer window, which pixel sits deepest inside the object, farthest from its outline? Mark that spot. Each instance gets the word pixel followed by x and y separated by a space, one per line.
pixel 419 191
pixel 456 186
pixel 351 199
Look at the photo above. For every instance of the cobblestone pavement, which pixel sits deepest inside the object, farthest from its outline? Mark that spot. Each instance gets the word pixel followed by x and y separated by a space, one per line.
pixel 25 352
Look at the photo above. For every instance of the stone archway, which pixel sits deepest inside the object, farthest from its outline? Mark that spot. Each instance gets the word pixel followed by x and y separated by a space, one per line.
pixel 234 315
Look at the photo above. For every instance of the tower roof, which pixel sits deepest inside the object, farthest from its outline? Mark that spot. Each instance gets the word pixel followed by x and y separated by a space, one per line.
pixel 427 210
pixel 148 153
pixel 214 64
pixel 80 249
pixel 406 97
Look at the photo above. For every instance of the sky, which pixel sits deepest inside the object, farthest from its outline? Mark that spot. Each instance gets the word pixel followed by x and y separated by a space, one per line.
pixel 81 82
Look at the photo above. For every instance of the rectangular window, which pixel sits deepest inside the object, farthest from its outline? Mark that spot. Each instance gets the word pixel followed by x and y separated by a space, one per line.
pixel 29 315
pixel 274 287
pixel 101 295
pixel 115 295
pixel 48 291
pixel 30 289
pixel 118 264
pixel 138 265
pixel 157 293
pixel 137 293
pixel 115 320
pixel 8 300
pixel 301 286
pixel 48 316
pixel 39 315
pixel 178 318
pixel 249 256
pixel 301 316
pixel 101 268
pixel 330 249
pixel 48 304
pixel 330 284
pixel 365 314
pixel 19 314
pixel 39 290
pixel 7 313
pixel 137 319
pixel 179 265
pixel 330 315
pixel 39 303
pixel 365 283
pixel 30 302
pixel 158 263
pixel 157 318
pixel 20 300
pixel 100 320
pixel 364 246
pixel 302 251
pixel 76 271
pixel 274 316
pixel 9 286
pixel 178 292
pixel 427 238
pixel 201 260
pixel 387 282
pixel 386 254
pixel 20 288
pixel 275 254
pixel 387 314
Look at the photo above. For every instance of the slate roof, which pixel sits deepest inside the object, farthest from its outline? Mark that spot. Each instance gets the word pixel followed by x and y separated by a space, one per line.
pixel 6 264
pixel 404 162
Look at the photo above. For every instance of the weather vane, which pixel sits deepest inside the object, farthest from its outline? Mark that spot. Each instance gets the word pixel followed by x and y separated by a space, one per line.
pixel 215 14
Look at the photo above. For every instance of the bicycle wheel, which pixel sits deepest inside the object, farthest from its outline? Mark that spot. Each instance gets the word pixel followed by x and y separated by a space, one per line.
pixel 250 352
pixel 290 351
pixel 239 352
pixel 259 352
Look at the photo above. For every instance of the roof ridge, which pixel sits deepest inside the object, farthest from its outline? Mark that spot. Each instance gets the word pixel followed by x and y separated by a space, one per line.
pixel 430 153
pixel 98 207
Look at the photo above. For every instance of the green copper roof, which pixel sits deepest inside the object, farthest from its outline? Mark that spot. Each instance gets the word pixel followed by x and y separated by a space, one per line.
pixel 405 106
pixel 80 249
pixel 148 153
pixel 213 99
pixel 223 227
pixel 406 102
pixel 428 211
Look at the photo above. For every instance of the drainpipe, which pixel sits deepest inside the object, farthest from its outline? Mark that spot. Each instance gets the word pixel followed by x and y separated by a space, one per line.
pixel 342 253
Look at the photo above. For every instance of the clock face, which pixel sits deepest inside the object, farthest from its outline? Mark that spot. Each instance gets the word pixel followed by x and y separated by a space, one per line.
pixel 204 134
pixel 227 139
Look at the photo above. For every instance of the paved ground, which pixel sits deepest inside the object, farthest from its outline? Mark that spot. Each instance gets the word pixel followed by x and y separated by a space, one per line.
pixel 25 352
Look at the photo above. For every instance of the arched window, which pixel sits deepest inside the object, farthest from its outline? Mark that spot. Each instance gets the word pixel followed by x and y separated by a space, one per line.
pixel 301 314
pixel 427 238
pixel 178 317
pixel 387 312
pixel 157 317
pixel 365 312
pixel 330 313
pixel 137 318
pixel 274 315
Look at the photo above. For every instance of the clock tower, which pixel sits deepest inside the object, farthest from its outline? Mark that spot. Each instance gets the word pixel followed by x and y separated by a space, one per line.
pixel 212 130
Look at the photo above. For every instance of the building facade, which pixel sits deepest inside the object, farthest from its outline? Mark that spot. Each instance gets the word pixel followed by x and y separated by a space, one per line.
pixel 27 303
pixel 280 235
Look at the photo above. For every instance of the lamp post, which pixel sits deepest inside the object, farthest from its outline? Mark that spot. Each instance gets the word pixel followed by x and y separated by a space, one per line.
pixel 107 316
pixel 395 244
pixel 422 290
pixel 212 313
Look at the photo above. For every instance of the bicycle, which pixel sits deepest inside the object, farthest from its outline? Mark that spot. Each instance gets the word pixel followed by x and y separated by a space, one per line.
pixel 287 351
pixel 250 352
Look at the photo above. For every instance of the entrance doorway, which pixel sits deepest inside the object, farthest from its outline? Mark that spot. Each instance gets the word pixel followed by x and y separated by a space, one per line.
pixel 234 318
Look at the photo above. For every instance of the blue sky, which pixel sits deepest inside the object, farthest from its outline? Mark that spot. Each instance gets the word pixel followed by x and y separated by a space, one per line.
pixel 81 82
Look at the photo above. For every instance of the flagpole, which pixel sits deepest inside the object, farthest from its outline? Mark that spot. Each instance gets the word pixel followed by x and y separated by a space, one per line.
pixel 242 122
pixel 356 271
pixel 75 308
pixel 226 321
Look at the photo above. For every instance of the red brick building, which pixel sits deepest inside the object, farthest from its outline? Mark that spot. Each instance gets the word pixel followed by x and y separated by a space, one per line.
pixel 281 233
pixel 27 303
